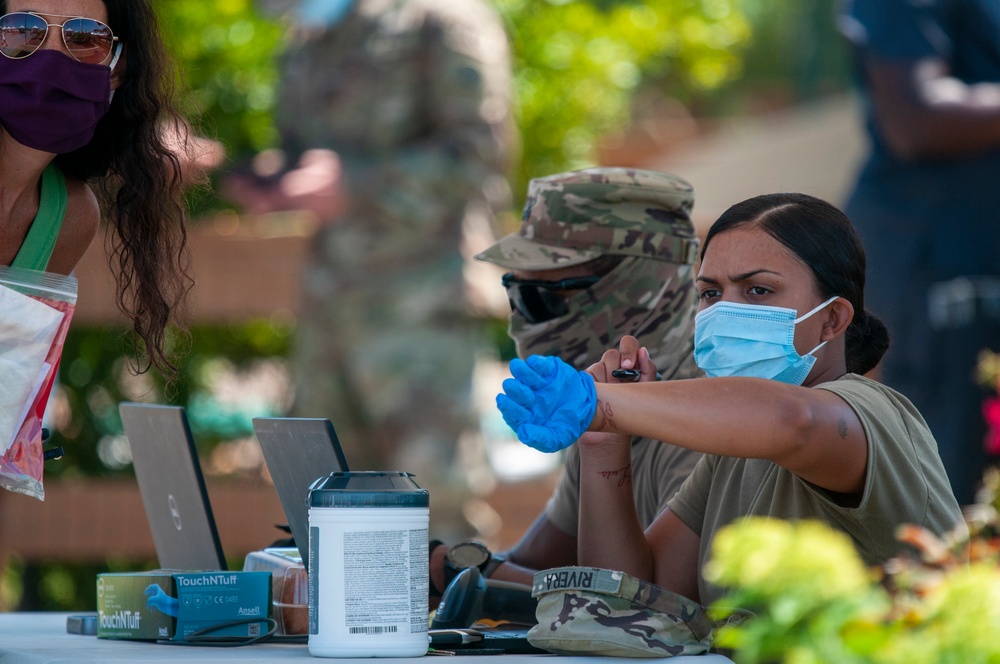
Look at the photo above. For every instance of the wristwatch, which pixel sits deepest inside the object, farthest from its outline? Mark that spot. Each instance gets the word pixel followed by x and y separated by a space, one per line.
pixel 463 555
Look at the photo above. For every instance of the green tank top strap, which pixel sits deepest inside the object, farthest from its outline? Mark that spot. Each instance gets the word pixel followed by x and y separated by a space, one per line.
pixel 38 245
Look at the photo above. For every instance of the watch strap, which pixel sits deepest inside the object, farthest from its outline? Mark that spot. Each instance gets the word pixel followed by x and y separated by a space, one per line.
pixel 496 559
pixel 432 591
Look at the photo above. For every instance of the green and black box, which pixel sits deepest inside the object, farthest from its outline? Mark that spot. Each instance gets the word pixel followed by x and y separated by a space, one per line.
pixel 168 605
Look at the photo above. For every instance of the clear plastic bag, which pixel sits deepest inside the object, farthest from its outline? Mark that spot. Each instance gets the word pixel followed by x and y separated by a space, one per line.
pixel 26 326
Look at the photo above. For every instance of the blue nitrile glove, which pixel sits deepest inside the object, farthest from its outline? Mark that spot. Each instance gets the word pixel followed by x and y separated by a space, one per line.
pixel 547 403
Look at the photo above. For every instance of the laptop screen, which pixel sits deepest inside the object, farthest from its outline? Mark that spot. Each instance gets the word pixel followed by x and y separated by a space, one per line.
pixel 298 451
pixel 173 490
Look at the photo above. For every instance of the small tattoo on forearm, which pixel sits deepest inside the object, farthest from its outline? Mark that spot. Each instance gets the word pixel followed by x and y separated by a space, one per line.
pixel 842 428
pixel 624 474
pixel 607 417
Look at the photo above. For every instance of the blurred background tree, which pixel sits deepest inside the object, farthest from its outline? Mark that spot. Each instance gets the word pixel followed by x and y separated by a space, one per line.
pixel 579 64
pixel 226 52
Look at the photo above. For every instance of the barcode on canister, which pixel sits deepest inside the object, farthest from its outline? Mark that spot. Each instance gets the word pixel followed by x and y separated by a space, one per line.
pixel 374 629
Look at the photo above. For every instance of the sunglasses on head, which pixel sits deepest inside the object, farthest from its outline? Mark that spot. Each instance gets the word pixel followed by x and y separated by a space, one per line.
pixel 87 39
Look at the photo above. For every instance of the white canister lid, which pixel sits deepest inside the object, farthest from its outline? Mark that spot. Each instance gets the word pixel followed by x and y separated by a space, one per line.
pixel 367 489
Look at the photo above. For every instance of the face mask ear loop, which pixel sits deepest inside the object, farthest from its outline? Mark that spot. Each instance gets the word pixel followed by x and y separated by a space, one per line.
pixel 119 47
pixel 802 318
pixel 822 343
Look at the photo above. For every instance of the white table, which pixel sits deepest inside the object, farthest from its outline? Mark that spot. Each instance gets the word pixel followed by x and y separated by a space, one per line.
pixel 41 638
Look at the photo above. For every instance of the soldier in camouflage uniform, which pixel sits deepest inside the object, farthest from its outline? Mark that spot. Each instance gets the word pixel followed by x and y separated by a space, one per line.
pixel 410 99
pixel 601 253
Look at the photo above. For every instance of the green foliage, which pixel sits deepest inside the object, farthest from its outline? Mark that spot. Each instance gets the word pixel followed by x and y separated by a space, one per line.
pixel 806 584
pixel 577 65
pixel 95 378
pixel 226 51
pixel 815 602
pixel 496 331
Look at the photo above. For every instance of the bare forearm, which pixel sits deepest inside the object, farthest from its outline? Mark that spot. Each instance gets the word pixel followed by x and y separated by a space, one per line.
pixel 610 535
pixel 955 124
pixel 511 571
pixel 543 545
pixel 925 113
pixel 811 432
pixel 714 416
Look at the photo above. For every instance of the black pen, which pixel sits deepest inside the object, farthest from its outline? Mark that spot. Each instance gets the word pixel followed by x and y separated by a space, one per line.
pixel 631 373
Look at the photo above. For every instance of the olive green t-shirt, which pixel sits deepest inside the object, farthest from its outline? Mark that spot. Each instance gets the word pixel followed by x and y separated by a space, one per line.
pixel 658 471
pixel 904 483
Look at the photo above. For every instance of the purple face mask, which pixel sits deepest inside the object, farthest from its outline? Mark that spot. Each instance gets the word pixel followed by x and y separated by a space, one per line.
pixel 51 102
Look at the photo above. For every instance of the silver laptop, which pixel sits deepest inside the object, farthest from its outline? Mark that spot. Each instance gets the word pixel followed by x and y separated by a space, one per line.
pixel 297 452
pixel 173 490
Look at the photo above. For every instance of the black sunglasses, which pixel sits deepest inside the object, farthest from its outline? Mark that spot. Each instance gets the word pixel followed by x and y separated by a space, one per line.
pixel 538 300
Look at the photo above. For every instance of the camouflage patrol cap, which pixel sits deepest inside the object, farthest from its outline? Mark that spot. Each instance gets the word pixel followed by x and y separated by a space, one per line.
pixel 587 610
pixel 571 218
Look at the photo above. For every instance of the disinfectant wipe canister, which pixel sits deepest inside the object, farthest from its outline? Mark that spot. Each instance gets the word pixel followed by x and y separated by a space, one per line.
pixel 368 565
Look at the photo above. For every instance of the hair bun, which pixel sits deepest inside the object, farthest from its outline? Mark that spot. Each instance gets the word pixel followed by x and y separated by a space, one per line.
pixel 867 341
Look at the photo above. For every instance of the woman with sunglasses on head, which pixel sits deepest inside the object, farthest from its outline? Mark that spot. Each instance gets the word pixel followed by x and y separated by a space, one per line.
pixel 85 95
pixel 790 427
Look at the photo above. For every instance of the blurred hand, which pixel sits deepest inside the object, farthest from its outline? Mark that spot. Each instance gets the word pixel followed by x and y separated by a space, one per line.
pixel 250 194
pixel 315 185
pixel 196 154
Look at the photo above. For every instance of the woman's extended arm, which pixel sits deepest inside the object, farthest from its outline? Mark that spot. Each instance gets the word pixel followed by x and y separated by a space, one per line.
pixel 813 433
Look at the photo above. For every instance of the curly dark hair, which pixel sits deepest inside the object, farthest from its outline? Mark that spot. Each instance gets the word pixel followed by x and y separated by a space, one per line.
pixel 824 238
pixel 137 177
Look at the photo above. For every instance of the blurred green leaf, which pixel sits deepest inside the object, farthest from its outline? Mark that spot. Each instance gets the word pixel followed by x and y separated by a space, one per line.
pixel 578 64
pixel 226 51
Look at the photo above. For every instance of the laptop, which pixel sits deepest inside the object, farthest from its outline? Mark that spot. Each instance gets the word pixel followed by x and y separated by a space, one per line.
pixel 297 452
pixel 167 470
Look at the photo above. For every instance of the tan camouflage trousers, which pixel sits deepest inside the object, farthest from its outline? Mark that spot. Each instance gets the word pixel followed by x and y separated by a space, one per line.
pixel 397 385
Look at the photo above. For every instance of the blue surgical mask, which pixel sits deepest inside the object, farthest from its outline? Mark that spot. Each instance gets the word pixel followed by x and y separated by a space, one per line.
pixel 733 339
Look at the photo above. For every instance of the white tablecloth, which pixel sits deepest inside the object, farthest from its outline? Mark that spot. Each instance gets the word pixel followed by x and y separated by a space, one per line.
pixel 41 638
